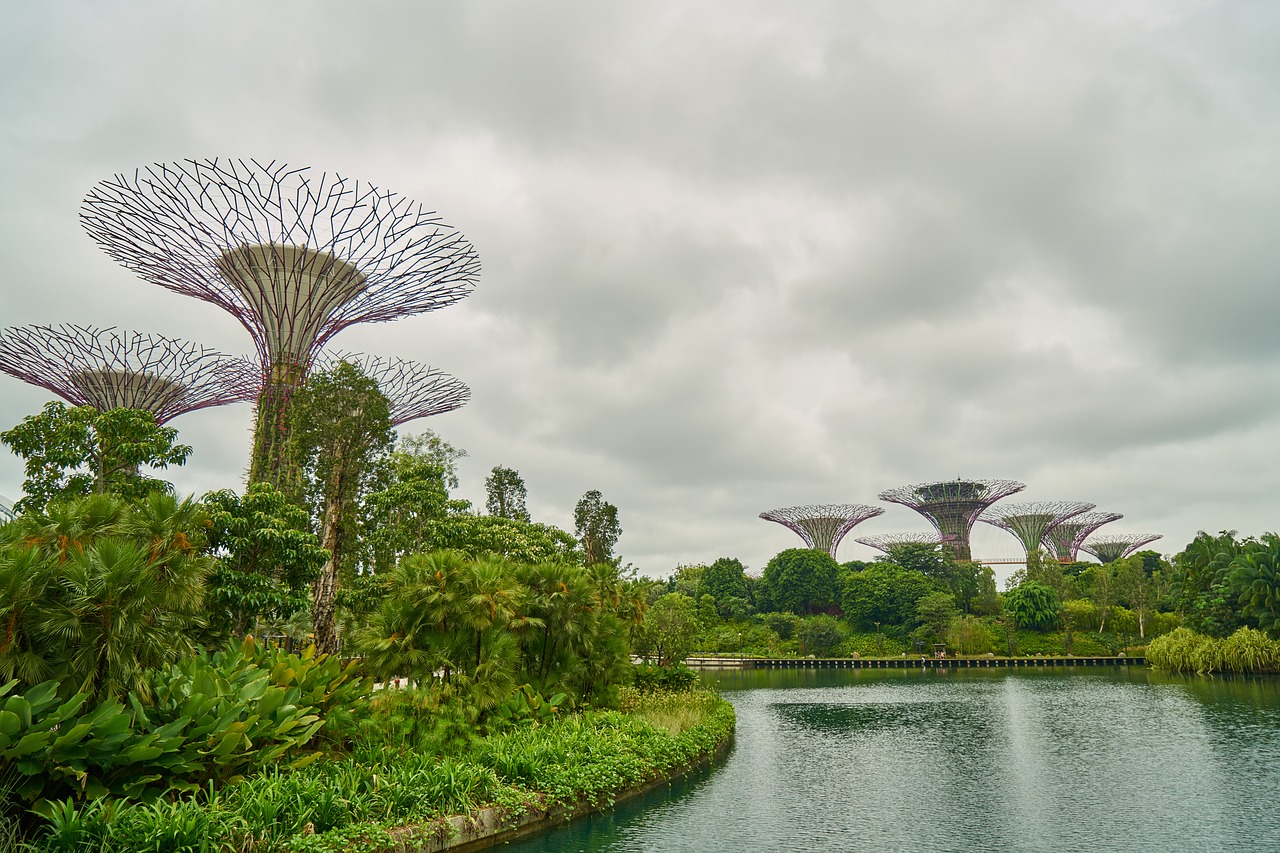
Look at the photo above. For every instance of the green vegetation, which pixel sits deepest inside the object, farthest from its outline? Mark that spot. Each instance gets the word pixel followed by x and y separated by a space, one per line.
pixel 130 719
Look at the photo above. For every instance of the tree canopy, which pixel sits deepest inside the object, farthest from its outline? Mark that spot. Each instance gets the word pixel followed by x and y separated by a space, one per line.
pixel 505 494
pixel 801 580
pixel 595 521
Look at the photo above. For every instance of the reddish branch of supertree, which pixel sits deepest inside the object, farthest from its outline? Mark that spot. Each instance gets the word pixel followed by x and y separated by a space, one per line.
pixel 413 389
pixel 109 369
pixel 1117 546
pixel 952 506
pixel 822 526
pixel 1031 522
pixel 1064 539
pixel 885 541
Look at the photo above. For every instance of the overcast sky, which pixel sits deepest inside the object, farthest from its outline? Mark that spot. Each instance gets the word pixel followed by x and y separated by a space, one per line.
pixel 736 255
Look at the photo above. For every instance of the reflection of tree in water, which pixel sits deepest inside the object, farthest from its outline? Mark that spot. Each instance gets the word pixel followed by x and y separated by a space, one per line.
pixel 871 717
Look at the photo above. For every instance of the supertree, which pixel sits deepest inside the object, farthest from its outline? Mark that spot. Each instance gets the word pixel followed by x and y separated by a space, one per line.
pixel 885 541
pixel 7 512
pixel 414 390
pixel 1116 546
pixel 1063 539
pixel 1031 522
pixel 952 506
pixel 296 256
pixel 108 369
pixel 822 526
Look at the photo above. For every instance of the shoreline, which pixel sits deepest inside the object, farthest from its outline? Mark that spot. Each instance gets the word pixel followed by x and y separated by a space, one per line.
pixel 489 827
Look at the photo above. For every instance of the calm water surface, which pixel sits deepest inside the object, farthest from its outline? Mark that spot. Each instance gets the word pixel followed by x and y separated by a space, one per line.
pixel 1057 760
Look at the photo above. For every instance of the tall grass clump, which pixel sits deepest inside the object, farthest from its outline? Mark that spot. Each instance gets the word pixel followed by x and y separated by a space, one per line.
pixel 1246 651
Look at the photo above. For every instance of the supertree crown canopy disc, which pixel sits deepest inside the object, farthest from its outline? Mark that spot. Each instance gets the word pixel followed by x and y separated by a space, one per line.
pixel 952 505
pixel 295 255
pixel 109 369
pixel 1064 538
pixel 885 541
pixel 413 389
pixel 822 526
pixel 1031 522
pixel 1117 546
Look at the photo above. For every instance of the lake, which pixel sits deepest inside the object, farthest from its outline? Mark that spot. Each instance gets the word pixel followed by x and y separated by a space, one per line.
pixel 1056 760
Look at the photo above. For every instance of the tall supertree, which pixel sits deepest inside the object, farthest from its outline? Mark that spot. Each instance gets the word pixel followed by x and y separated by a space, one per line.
pixel 952 506
pixel 296 256
pixel 109 369
pixel 1116 546
pixel 1031 522
pixel 414 390
pixel 822 526
pixel 885 541
pixel 1063 539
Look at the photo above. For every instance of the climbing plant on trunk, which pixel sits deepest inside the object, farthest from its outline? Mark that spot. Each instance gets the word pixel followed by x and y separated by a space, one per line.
pixel 341 435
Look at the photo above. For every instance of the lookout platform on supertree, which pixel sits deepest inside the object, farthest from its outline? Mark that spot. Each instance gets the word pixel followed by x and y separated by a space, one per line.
pixel 952 506
pixel 110 369
pixel 1063 539
pixel 1031 522
pixel 822 526
pixel 1117 546
pixel 295 255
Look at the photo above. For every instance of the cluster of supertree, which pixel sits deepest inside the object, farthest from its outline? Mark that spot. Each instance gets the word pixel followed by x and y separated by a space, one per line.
pixel 953 507
pixel 296 256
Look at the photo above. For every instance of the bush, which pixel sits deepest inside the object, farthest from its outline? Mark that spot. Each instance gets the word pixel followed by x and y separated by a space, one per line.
pixel 676 677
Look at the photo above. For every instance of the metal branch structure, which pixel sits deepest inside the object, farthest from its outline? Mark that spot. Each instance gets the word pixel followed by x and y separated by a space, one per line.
pixel 1063 539
pixel 822 526
pixel 295 255
pixel 1031 522
pixel 7 512
pixel 413 389
pixel 1117 546
pixel 885 541
pixel 952 506
pixel 109 369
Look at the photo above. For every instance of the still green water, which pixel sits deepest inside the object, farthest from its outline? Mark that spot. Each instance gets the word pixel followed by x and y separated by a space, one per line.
pixel 970 760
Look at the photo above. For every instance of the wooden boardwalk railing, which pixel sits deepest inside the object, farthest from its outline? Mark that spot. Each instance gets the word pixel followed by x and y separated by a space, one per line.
pixel 907 662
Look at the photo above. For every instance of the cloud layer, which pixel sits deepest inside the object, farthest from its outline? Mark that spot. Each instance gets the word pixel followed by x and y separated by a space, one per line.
pixel 736 255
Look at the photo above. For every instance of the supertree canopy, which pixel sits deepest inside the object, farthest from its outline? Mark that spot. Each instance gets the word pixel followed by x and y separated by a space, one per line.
pixel 108 369
pixel 414 390
pixel 952 506
pixel 885 541
pixel 822 526
pixel 1063 539
pixel 1116 546
pixel 1031 522
pixel 296 256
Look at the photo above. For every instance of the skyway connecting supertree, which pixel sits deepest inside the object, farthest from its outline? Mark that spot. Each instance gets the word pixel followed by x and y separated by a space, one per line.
pixel 822 526
pixel 296 256
pixel 1031 522
pixel 414 390
pixel 885 541
pixel 108 369
pixel 1063 539
pixel 1116 546
pixel 952 506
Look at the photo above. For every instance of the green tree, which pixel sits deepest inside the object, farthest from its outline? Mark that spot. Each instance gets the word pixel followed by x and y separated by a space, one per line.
pixel 267 558
pixel 1142 592
pixel 726 580
pixel 821 634
pixel 596 523
pixel 1255 575
pixel 1033 605
pixel 671 628
pixel 1203 590
pixel 934 616
pixel 340 435
pixel 883 594
pixel 802 580
pixel 521 541
pixel 400 515
pixel 98 591
pixel 73 452
pixel 505 494
pixel 434 450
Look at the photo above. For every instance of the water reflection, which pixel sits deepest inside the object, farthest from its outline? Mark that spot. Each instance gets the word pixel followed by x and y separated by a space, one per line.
pixel 1053 760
